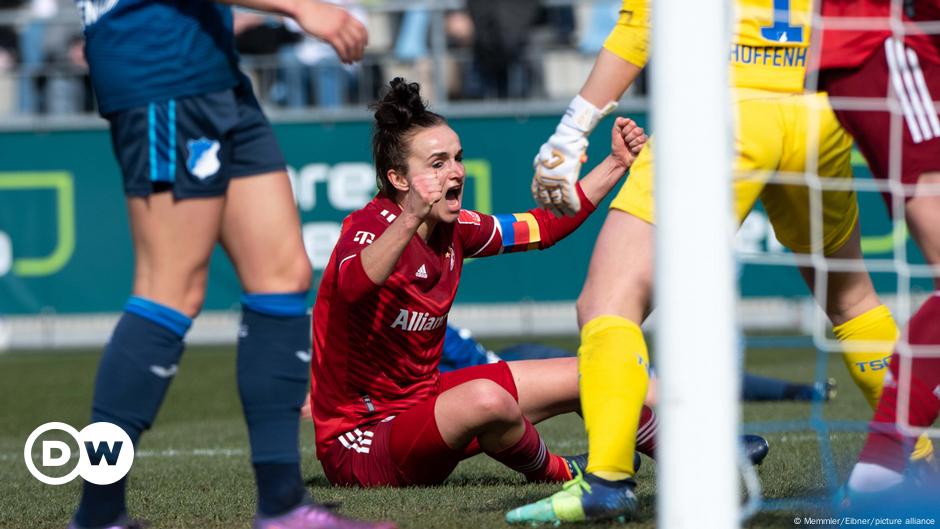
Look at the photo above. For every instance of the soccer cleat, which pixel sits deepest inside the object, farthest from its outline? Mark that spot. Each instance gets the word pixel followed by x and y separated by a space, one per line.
pixel 578 464
pixel 756 448
pixel 826 391
pixel 585 498
pixel 316 517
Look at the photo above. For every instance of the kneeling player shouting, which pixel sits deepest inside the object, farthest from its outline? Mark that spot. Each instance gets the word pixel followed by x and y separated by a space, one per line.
pixel 384 414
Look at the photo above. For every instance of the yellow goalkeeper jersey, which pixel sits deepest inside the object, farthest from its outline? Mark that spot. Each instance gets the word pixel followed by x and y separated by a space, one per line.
pixel 768 51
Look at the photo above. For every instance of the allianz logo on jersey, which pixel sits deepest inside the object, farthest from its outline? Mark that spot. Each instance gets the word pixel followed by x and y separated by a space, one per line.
pixel 411 320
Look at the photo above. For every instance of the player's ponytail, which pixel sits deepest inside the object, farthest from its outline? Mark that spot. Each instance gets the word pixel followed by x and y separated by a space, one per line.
pixel 398 115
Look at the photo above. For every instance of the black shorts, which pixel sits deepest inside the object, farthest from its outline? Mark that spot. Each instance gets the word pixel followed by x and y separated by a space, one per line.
pixel 194 145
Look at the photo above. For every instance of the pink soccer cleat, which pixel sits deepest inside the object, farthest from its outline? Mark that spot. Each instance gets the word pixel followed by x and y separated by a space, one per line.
pixel 316 517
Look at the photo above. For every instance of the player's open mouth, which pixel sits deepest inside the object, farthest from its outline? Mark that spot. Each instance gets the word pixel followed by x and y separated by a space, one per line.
pixel 452 196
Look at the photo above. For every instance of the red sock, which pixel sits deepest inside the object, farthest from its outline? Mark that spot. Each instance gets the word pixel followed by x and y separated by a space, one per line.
pixel 886 445
pixel 530 457
pixel 646 432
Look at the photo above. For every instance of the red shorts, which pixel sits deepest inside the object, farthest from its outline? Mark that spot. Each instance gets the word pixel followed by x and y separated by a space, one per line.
pixel 407 449
pixel 912 83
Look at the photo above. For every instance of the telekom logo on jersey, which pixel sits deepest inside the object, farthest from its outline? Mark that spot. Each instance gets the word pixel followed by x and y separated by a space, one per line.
pixel 411 320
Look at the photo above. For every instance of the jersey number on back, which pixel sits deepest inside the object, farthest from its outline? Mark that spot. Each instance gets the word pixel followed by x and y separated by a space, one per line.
pixel 781 30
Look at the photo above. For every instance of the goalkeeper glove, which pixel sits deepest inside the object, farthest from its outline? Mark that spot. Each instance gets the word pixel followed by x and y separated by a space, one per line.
pixel 558 163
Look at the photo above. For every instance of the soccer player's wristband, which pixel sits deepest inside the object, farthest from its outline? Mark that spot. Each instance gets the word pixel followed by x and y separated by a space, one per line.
pixel 582 116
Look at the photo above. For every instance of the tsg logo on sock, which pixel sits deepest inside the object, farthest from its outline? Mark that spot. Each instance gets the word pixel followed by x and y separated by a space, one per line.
pixel 105 453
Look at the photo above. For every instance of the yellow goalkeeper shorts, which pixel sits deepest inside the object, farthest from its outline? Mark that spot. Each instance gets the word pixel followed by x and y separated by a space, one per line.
pixel 773 136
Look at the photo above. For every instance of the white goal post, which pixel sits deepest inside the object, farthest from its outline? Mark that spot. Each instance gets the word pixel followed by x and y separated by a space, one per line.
pixel 696 353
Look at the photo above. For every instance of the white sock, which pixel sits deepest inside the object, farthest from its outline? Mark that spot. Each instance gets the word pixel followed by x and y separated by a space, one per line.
pixel 869 477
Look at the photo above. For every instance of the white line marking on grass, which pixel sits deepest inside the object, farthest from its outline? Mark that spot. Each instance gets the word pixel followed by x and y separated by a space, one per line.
pixel 169 453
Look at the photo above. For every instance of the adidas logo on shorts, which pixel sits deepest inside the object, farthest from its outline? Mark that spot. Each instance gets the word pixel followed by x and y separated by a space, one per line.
pixel 357 440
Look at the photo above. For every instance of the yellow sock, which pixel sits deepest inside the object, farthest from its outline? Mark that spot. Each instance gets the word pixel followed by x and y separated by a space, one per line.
pixel 613 367
pixel 868 341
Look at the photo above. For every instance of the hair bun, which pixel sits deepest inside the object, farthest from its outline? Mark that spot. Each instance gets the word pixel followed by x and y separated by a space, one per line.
pixel 401 104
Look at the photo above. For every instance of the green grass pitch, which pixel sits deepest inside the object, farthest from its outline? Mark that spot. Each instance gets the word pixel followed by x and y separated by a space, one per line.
pixel 192 469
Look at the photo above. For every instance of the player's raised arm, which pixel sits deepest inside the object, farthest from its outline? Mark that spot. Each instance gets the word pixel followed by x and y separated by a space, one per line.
pixel 539 228
pixel 558 162
pixel 327 22
pixel 379 259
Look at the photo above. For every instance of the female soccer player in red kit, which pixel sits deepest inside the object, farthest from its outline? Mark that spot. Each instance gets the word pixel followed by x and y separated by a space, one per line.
pixel 384 414
pixel 883 51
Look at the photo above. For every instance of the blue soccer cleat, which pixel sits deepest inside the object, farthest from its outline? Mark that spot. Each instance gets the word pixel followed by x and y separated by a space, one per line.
pixel 585 498
pixel 756 448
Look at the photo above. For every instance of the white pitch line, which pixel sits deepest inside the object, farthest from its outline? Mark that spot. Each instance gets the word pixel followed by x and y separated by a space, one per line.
pixel 169 453
pixel 562 446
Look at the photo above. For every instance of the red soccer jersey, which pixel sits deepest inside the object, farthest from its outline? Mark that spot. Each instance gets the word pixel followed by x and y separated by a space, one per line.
pixel 844 48
pixel 377 348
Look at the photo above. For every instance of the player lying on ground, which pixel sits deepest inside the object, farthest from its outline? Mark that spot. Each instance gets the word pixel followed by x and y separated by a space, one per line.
pixel 879 65
pixel 767 67
pixel 384 414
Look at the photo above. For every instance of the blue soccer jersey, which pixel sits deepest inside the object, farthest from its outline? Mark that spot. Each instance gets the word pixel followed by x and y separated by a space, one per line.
pixel 144 51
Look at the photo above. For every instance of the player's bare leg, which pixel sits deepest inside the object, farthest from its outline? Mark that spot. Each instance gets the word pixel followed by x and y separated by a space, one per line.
pixel 483 411
pixel 172 241
pixel 923 219
pixel 546 387
pixel 263 237
pixel 620 276
pixel 848 293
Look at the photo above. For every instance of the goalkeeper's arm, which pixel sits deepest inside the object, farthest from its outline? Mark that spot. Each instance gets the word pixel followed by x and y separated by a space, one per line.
pixel 558 163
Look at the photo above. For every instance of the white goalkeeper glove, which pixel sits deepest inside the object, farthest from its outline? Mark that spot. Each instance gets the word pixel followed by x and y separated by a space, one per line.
pixel 558 163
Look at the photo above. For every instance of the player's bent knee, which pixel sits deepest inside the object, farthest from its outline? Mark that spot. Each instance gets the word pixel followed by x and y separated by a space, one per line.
pixel 300 274
pixel 295 275
pixel 193 302
pixel 491 403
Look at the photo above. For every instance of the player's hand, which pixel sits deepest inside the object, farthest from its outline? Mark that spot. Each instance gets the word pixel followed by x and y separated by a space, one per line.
pixel 558 163
pixel 626 141
pixel 335 26
pixel 426 190
pixel 557 168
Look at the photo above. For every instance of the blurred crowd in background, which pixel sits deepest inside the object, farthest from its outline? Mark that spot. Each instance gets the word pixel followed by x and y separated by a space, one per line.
pixel 461 50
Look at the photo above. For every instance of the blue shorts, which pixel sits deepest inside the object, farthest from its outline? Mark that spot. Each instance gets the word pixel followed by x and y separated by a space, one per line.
pixel 194 145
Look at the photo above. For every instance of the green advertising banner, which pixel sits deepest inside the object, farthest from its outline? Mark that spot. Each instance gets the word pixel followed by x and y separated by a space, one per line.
pixel 65 244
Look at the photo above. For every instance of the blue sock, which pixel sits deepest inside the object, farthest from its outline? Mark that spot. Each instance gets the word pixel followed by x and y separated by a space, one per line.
pixel 134 373
pixel 273 379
